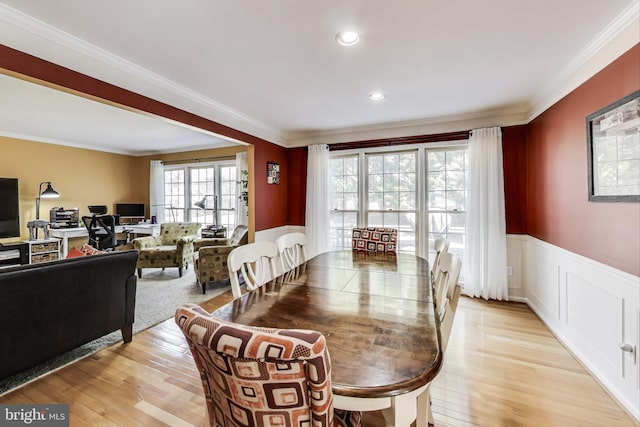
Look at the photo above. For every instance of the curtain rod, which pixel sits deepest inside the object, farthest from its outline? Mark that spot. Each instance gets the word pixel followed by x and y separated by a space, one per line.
pixel 197 160
pixel 403 140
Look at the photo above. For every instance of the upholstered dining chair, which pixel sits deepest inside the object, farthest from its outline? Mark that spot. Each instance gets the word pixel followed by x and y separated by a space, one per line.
pixel 254 263
pixel 210 256
pixel 440 245
pixel 291 250
pixel 172 248
pixel 262 376
pixel 374 239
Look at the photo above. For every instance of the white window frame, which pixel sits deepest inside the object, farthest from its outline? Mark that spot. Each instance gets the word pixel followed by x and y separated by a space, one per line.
pixel 183 208
pixel 422 212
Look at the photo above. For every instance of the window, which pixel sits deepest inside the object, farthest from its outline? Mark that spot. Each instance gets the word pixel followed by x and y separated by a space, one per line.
pixel 391 195
pixel 343 199
pixel 421 192
pixel 446 198
pixel 214 183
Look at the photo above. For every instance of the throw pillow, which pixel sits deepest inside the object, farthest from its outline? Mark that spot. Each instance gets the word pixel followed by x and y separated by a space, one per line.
pixel 90 250
pixel 73 252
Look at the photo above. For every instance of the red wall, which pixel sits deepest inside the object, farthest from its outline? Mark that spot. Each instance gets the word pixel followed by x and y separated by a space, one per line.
pixel 514 161
pixel 297 160
pixel 558 210
pixel 271 199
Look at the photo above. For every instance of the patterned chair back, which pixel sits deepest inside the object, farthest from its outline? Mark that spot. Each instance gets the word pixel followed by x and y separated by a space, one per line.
pixel 374 239
pixel 170 232
pixel 261 376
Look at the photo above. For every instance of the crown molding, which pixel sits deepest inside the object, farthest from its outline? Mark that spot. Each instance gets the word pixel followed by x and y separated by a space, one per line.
pixel 509 116
pixel 42 40
pixel 618 37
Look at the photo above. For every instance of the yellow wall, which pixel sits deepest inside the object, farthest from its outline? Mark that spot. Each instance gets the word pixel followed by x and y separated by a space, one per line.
pixel 82 177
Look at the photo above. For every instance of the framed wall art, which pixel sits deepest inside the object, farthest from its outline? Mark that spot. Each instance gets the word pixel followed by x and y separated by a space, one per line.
pixel 273 173
pixel 613 151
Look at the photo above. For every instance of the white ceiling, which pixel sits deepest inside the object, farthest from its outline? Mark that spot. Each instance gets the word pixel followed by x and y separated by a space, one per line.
pixel 273 69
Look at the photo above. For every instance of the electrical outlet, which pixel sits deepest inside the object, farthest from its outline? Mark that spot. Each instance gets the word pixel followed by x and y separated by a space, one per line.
pixel 509 270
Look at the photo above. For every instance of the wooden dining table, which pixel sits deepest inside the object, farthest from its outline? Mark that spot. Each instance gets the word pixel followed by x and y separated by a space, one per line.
pixel 377 313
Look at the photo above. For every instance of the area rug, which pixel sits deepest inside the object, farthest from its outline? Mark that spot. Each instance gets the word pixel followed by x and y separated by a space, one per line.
pixel 159 293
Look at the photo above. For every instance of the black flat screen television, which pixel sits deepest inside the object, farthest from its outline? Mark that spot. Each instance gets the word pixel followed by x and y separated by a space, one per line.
pixel 9 208
pixel 130 210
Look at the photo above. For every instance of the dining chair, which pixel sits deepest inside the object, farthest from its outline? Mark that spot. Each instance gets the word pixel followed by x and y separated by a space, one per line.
pixel 440 245
pixel 374 239
pixel 448 273
pixel 446 294
pixel 291 249
pixel 262 376
pixel 254 263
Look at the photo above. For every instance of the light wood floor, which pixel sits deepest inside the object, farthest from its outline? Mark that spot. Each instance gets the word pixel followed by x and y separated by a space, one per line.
pixel 502 368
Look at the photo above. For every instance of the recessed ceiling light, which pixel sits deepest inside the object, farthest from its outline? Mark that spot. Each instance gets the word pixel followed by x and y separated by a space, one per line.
pixel 376 96
pixel 347 38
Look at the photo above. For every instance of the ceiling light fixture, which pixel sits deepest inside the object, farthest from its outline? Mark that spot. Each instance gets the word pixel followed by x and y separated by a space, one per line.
pixel 347 38
pixel 376 96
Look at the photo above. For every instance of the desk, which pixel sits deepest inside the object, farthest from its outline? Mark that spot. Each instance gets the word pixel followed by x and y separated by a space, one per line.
pixel 66 233
pixel 377 314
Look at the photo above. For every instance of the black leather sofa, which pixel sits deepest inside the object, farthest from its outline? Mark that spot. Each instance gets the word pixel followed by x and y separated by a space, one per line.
pixel 50 308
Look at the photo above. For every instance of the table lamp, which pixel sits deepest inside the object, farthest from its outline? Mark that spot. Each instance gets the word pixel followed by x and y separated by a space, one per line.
pixel 202 204
pixel 48 193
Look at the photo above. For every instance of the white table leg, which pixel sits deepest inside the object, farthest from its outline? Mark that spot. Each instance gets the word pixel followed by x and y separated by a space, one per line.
pixel 402 411
pixel 424 416
pixel 65 246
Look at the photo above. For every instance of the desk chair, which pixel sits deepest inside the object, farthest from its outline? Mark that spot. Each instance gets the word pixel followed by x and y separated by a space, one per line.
pixel 262 376
pixel 102 231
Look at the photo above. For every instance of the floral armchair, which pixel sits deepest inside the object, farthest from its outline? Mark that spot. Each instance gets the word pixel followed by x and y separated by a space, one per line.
pixel 172 248
pixel 210 256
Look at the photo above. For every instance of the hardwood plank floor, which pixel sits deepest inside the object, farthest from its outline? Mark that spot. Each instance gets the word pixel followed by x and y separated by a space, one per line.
pixel 502 368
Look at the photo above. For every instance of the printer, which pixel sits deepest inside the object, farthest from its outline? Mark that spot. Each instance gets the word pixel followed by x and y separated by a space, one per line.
pixel 60 217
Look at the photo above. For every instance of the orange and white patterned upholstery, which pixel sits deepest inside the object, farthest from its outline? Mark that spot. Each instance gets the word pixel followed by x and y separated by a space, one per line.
pixel 262 376
pixel 374 239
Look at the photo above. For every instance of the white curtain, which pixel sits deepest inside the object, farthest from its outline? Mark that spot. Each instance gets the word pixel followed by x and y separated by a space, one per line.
pixel 485 260
pixel 242 210
pixel 156 190
pixel 317 211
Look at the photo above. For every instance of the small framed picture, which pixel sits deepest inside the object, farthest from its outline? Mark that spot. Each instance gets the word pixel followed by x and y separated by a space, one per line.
pixel 613 151
pixel 273 173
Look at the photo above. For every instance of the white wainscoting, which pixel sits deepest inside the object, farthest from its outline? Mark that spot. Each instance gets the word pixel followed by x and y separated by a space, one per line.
pixel 515 258
pixel 592 308
pixel 271 234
